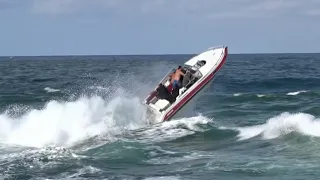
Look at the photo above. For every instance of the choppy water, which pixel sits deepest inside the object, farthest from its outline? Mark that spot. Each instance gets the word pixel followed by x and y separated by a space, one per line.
pixel 81 118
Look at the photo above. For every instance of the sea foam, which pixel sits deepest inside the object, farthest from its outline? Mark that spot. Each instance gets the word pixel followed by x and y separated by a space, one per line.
pixel 283 124
pixel 65 123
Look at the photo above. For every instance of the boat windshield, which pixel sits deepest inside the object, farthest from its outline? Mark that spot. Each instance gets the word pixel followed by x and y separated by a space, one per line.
pixel 192 69
pixel 167 76
pixel 196 66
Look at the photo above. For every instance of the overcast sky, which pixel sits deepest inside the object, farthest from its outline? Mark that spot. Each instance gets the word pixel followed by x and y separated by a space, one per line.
pixel 69 27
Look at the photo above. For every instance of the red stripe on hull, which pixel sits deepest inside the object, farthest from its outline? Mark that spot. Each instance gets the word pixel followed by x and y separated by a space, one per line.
pixel 195 90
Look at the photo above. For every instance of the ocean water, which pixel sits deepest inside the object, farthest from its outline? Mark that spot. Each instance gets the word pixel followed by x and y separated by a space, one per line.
pixel 80 117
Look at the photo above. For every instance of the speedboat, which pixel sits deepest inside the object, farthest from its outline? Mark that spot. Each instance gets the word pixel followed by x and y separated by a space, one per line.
pixel 198 72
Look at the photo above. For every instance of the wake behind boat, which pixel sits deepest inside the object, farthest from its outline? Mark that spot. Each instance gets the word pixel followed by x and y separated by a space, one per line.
pixel 165 100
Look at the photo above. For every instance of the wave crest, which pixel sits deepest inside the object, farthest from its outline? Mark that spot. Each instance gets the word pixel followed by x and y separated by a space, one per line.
pixel 65 123
pixel 283 124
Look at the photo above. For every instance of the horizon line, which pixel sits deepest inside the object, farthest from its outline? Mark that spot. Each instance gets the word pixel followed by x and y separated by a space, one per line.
pixel 154 54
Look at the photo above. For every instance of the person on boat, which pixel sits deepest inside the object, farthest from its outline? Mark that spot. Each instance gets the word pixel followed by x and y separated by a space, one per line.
pixel 163 93
pixel 176 78
pixel 176 82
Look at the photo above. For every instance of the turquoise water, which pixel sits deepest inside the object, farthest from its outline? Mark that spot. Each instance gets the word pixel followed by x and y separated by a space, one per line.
pixel 80 118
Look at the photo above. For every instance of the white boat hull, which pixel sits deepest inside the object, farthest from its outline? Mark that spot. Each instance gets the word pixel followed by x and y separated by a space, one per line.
pixel 203 68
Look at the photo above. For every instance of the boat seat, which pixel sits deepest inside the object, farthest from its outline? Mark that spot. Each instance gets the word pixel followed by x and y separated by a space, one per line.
pixel 162 104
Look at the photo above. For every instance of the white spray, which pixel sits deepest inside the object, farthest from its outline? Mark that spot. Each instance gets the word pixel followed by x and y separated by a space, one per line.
pixel 283 124
pixel 64 123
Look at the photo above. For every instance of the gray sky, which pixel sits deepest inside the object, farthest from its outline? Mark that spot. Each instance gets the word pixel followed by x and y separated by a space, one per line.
pixel 68 27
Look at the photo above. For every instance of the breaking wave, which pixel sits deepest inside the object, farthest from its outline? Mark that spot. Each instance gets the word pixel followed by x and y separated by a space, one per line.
pixel 49 89
pixel 296 93
pixel 285 123
pixel 171 130
pixel 65 123
pixel 72 123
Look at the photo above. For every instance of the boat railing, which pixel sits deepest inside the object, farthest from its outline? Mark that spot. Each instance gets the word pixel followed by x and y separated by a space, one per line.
pixel 211 48
pixel 216 47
